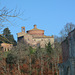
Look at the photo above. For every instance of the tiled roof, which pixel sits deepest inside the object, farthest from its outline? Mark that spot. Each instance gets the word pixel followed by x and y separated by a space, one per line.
pixel 35 29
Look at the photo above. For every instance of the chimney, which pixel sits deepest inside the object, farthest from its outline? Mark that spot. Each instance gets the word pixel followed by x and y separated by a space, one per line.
pixel 35 26
pixel 23 29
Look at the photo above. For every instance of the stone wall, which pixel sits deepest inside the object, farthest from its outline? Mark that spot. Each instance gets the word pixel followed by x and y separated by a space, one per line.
pixel 65 50
pixel 71 38
pixel 67 67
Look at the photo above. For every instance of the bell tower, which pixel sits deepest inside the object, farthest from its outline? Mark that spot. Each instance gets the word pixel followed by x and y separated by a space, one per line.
pixel 23 29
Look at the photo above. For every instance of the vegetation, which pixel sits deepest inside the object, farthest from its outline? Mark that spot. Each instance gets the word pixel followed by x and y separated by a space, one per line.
pixel 7 15
pixel 25 60
pixel 7 34
pixel 3 39
pixel 65 31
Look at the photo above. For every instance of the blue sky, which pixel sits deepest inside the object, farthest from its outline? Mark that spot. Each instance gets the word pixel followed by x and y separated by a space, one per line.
pixel 48 15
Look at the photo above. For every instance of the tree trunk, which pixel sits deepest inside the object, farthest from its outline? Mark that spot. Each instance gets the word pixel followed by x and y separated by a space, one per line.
pixel 52 68
pixel 48 65
pixel 41 65
pixel 30 65
pixel 19 67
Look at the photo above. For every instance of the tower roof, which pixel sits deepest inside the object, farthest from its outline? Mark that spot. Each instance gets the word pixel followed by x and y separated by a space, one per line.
pixel 35 31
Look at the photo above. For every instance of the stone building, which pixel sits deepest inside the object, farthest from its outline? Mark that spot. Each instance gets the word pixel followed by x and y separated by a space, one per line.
pixel 68 53
pixel 35 37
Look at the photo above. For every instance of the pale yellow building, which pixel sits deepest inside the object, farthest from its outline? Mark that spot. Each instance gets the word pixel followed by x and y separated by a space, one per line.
pixel 6 46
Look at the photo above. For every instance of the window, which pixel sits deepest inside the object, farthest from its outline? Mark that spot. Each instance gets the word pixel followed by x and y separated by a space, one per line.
pixel 23 29
pixel 41 39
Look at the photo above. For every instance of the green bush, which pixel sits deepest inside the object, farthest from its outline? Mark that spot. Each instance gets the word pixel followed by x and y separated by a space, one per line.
pixel 55 74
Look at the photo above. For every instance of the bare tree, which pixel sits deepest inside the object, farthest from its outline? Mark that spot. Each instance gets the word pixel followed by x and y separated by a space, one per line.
pixel 18 53
pixel 67 28
pixel 57 52
pixel 7 15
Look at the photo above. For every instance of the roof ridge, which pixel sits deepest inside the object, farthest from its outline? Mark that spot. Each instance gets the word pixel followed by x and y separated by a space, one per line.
pixel 35 29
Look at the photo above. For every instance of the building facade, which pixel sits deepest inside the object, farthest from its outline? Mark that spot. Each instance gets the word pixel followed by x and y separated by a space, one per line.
pixel 68 52
pixel 35 37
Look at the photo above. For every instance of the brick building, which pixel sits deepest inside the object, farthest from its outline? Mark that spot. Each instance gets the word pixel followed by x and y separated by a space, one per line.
pixel 67 67
pixel 35 37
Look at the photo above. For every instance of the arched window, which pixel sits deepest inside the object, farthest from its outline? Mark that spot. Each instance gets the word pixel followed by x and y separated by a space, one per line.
pixel 23 29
